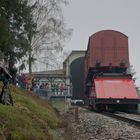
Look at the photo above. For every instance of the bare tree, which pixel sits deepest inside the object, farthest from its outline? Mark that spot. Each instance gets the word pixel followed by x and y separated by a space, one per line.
pixel 51 31
pixel 51 61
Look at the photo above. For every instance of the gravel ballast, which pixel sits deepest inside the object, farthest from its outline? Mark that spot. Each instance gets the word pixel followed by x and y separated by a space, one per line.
pixel 95 126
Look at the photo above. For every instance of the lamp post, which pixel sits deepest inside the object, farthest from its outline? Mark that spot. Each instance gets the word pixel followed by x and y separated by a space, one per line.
pixel 68 92
pixel 65 101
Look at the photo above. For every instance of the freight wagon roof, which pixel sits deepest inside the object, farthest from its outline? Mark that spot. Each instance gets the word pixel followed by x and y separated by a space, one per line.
pixel 103 32
pixel 115 88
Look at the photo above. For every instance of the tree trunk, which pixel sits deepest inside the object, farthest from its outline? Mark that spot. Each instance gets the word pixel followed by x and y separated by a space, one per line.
pixel 30 64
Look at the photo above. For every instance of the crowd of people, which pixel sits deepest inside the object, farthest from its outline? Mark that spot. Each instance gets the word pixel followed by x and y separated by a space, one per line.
pixel 56 89
pixel 24 81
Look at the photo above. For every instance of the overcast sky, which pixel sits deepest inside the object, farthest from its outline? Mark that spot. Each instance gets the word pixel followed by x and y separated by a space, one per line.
pixel 89 16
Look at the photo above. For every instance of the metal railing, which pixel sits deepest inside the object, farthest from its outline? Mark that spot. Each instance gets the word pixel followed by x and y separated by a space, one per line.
pixel 48 93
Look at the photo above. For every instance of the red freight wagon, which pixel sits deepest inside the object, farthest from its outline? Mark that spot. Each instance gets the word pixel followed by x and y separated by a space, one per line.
pixel 107 83
pixel 107 48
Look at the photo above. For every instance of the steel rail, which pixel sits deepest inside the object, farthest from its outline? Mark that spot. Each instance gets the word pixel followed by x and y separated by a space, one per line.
pixel 124 119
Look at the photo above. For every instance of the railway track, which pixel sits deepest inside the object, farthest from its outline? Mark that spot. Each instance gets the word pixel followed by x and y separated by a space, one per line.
pixel 129 120
pixel 132 119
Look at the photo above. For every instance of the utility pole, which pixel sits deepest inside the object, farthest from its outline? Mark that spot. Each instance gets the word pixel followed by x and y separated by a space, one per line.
pixel 65 100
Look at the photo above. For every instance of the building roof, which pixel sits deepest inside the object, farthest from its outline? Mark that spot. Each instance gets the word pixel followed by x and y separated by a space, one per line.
pixel 60 71
pixel 74 51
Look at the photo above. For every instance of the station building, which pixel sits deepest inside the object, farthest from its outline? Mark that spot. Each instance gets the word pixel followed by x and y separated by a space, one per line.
pixel 72 75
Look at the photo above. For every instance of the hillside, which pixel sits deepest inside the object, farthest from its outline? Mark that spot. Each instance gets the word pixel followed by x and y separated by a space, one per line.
pixel 29 119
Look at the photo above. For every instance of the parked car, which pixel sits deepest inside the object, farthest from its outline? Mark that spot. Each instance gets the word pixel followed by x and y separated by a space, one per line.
pixel 77 102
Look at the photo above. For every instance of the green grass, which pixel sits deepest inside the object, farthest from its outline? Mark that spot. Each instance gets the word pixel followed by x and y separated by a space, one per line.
pixel 59 105
pixel 29 119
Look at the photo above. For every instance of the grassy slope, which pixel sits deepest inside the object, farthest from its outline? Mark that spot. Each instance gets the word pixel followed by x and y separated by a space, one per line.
pixel 29 119
pixel 59 105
